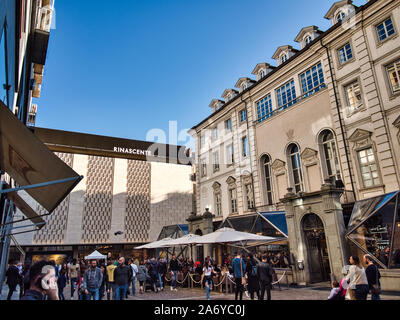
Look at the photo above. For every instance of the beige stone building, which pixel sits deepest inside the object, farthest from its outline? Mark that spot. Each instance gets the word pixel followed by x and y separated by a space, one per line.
pixel 130 191
pixel 323 130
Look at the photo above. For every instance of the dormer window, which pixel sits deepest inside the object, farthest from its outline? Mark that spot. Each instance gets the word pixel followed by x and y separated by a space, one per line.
pixel 340 16
pixel 262 74
pixel 262 69
pixel 284 58
pixel 308 40
pixel 244 86
pixel 284 53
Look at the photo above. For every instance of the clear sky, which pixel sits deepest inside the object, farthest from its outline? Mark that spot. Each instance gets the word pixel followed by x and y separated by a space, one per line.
pixel 122 68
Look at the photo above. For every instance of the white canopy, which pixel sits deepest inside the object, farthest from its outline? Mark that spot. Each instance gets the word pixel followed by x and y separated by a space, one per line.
pixel 228 235
pixel 185 240
pixel 155 244
pixel 95 255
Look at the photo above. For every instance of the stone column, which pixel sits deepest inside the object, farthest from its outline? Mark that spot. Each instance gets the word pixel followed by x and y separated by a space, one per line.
pixel 207 228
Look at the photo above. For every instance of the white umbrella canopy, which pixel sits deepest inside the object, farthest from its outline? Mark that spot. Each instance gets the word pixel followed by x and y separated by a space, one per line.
pixel 185 240
pixel 96 256
pixel 155 244
pixel 228 235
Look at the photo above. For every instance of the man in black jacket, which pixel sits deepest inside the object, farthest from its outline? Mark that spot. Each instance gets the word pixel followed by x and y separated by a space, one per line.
pixel 122 278
pixel 13 278
pixel 264 272
pixel 174 268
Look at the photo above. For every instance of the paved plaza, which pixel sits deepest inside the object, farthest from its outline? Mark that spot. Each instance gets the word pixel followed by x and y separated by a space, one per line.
pixel 309 293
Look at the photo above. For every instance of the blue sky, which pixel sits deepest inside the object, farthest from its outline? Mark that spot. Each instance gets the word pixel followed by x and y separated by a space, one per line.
pixel 122 68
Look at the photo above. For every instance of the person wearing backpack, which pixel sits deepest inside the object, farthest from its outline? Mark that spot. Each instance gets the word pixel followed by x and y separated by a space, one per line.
pixel 264 273
pixel 373 276
pixel 253 283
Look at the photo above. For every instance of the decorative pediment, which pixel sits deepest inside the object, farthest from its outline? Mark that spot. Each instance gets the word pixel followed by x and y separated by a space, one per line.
pixel 216 186
pixel 216 104
pixel 396 123
pixel 307 30
pixel 229 94
pixel 288 50
pixel 278 167
pixel 309 157
pixel 337 5
pixel 247 82
pixel 360 134
pixel 231 181
pixel 262 66
pixel 246 178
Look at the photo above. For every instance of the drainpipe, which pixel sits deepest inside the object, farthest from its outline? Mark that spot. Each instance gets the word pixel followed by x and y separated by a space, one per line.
pixel 340 120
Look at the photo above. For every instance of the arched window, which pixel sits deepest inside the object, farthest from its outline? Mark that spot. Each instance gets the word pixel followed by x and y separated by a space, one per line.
pixel 284 58
pixel 295 166
pixel 329 155
pixel 308 39
pixel 262 73
pixel 340 16
pixel 266 166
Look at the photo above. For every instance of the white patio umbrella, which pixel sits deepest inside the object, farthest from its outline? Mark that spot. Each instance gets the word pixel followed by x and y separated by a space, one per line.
pixel 155 244
pixel 183 241
pixel 95 255
pixel 228 235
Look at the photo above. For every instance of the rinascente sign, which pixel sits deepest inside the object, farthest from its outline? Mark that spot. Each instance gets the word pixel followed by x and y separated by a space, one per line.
pixel 132 151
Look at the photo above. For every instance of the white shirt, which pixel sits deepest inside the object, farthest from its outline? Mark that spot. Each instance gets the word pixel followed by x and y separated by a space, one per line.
pixel 135 269
pixel 207 271
pixel 356 276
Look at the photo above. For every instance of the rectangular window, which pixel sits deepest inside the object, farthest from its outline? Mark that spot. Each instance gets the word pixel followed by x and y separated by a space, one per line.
pixel 264 108
pixel 312 80
pixel 202 141
pixel 216 161
pixel 228 125
pixel 393 71
pixel 229 155
pixel 385 29
pixel 369 168
pixel 286 95
pixel 203 167
pixel 243 115
pixel 232 196
pixel 353 96
pixel 215 133
pixel 345 53
pixel 245 151
pixel 218 205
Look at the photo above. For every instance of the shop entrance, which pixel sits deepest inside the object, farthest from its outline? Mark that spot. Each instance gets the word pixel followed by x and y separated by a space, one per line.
pixel 317 250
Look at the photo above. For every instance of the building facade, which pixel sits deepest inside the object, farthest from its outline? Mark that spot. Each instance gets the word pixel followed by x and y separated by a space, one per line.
pixel 130 191
pixel 323 134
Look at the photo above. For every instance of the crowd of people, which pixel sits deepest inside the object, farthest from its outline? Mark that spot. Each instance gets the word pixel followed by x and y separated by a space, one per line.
pixel 253 275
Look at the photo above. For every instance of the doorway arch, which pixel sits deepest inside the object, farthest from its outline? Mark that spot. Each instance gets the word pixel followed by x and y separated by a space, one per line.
pixel 317 249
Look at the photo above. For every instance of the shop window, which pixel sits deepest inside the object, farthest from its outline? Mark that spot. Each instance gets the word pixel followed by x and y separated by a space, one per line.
pixel 374 229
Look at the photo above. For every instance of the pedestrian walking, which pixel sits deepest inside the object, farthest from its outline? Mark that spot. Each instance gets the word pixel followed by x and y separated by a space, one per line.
pixel 103 286
pixel 239 269
pixel 61 282
pixel 92 280
pixel 135 271
pixel 122 278
pixel 142 276
pixel 207 277
pixel 265 272
pixel 373 276
pixel 253 283
pixel 13 278
pixel 162 270
pixel 110 280
pixel 357 279
pixel 153 272
pixel 174 269
pixel 73 275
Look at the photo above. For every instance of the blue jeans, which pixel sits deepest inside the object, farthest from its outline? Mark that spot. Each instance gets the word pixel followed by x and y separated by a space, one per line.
pixel 74 281
pixel 93 293
pixel 133 286
pixel 375 296
pixel 174 278
pixel 160 281
pixel 120 292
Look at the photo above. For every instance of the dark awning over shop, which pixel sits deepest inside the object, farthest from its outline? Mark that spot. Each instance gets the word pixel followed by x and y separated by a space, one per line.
pixel 174 232
pixel 44 176
pixel 278 220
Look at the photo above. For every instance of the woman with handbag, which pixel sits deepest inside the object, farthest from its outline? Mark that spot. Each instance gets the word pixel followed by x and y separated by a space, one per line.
pixel 357 279
pixel 373 276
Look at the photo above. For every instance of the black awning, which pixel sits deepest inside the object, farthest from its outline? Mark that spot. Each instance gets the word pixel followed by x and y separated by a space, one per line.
pixel 44 176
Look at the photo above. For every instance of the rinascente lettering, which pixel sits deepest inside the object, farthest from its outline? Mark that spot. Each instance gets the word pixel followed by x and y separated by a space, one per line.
pixel 132 151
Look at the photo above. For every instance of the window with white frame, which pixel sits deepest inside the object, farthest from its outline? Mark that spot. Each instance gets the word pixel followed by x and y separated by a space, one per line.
pixel 369 168
pixel 203 167
pixel 264 108
pixel 266 163
pixel 330 158
pixel 295 166
pixel 286 95
pixel 284 58
pixel 245 147
pixel 353 97
pixel 228 125
pixel 345 53
pixel 233 200
pixel 244 86
pixel 312 80
pixel 385 29
pixel 215 133
pixel 262 73
pixel 249 196
pixel 202 141
pixel 243 115
pixel 340 16
pixel 218 203
pixel 393 71
pixel 216 161
pixel 229 155
pixel 307 39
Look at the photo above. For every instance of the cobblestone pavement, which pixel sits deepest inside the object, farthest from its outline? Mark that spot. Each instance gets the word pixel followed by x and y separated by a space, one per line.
pixel 317 293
